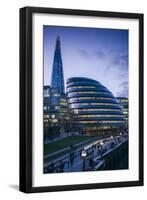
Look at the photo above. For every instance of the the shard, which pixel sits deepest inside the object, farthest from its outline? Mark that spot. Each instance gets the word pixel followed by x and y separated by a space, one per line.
pixel 57 79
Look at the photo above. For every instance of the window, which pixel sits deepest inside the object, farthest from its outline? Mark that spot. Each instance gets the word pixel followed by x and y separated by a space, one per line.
pixel 56 95
pixel 124 100
pixel 90 98
pixel 45 120
pixel 46 92
pixel 90 92
pixel 79 87
pixel 46 116
pixel 63 100
pixel 63 103
pixel 94 104
pixel 54 120
pixel 57 107
pixel 45 107
pixel 93 109
pixel 100 122
pixel 83 116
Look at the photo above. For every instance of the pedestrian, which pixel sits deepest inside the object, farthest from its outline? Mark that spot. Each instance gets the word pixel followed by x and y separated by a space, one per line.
pixel 52 167
pixel 71 158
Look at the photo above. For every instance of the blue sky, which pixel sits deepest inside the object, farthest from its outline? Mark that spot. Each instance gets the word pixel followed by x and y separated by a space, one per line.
pixel 100 54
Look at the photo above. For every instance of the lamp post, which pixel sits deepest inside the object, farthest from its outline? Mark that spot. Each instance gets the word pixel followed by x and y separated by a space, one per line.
pixel 101 148
pixel 111 137
pixel 84 155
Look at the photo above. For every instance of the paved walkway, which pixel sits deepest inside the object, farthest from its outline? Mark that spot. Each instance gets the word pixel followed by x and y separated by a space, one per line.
pixel 74 162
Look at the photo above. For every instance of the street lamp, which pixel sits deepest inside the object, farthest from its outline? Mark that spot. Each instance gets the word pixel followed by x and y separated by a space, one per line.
pixel 84 155
pixel 111 137
pixel 101 143
pixel 101 148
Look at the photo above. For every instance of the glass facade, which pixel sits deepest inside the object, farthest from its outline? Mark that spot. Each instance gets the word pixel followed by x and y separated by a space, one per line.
pixel 92 104
pixel 123 101
pixel 57 79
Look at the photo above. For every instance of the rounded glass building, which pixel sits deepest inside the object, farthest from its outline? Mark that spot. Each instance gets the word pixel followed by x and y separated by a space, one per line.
pixel 93 106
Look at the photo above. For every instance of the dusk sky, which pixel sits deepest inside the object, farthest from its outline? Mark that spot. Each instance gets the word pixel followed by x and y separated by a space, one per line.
pixel 100 54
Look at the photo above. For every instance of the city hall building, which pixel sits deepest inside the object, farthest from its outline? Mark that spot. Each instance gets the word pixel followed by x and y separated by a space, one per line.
pixel 93 106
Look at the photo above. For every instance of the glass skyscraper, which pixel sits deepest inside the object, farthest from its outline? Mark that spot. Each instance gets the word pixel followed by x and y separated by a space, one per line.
pixel 57 79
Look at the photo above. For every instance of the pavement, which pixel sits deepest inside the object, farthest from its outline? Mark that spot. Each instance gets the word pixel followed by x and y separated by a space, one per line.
pixel 73 162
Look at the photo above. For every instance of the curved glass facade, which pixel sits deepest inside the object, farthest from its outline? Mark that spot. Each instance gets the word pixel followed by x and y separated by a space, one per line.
pixel 93 105
pixel 123 101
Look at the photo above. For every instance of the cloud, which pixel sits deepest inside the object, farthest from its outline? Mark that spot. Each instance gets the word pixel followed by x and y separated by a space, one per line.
pixel 123 75
pixel 124 84
pixel 120 59
pixel 100 54
pixel 123 91
pixel 84 53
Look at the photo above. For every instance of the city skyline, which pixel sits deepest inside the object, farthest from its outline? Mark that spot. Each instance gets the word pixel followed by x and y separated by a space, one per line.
pixel 106 50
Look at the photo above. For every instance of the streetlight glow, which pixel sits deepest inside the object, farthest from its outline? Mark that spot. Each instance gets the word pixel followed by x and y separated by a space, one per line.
pixel 101 143
pixel 83 153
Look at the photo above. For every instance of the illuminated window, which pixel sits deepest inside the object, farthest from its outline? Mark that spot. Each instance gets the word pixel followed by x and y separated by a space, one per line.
pixel 83 116
pixel 100 122
pixel 45 120
pixel 53 116
pixel 63 100
pixel 57 107
pixel 86 122
pixel 96 104
pixel 88 92
pixel 63 110
pixel 46 92
pixel 62 113
pixel 93 109
pixel 56 95
pixel 90 98
pixel 63 103
pixel 45 107
pixel 46 116
pixel 54 120
pixel 124 100
pixel 111 104
pixel 79 87
pixel 76 111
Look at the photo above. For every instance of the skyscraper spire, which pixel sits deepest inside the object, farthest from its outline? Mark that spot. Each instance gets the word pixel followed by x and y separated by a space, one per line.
pixel 57 79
